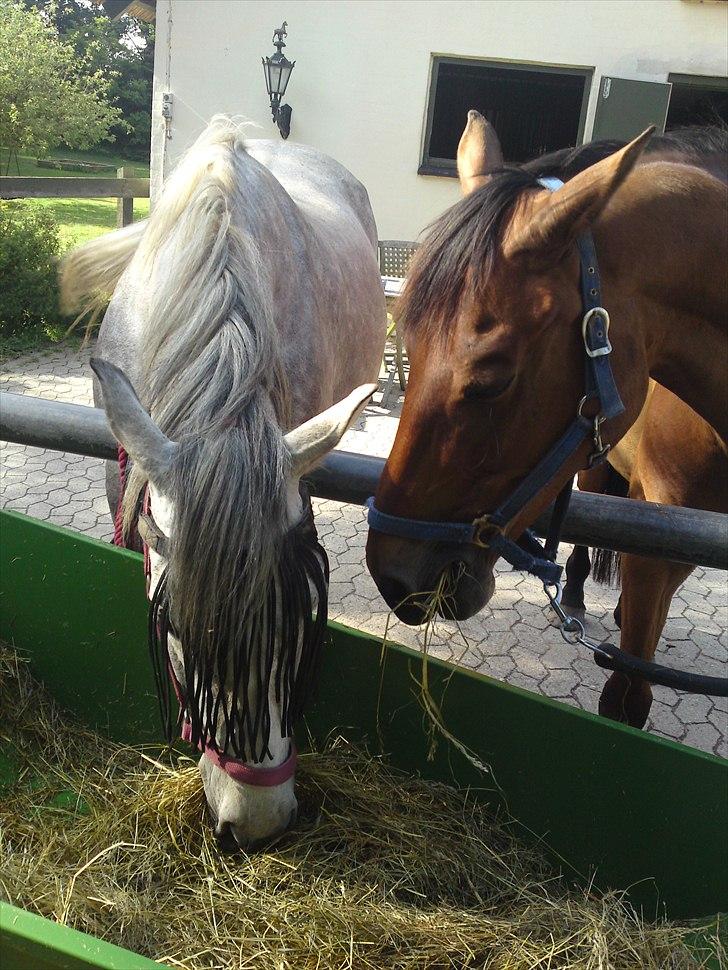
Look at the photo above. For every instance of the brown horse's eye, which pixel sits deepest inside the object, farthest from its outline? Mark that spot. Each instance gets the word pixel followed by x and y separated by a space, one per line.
pixel 488 390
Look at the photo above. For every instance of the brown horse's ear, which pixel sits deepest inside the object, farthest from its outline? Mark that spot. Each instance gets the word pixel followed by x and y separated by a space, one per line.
pixel 564 214
pixel 479 153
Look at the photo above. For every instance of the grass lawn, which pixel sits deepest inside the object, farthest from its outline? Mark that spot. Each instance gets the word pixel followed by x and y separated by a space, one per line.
pixel 82 219
pixel 79 220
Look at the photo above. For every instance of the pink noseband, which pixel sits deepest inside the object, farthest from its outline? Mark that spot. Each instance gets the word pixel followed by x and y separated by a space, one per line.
pixel 258 775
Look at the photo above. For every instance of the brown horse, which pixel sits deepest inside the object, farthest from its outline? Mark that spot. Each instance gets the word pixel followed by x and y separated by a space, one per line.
pixel 492 319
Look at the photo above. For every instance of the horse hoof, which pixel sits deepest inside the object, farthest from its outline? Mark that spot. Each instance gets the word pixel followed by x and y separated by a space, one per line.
pixel 612 708
pixel 625 701
pixel 618 614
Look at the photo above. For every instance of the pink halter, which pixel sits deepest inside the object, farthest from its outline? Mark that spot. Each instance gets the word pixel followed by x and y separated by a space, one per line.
pixel 258 775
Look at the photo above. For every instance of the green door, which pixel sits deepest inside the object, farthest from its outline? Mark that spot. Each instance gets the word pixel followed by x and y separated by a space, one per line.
pixel 625 108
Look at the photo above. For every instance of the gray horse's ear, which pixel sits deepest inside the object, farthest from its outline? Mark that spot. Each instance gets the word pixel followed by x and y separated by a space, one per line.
pixel 132 426
pixel 310 441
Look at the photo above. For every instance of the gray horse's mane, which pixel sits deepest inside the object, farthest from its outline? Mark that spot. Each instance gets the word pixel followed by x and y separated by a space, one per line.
pixel 213 382
pixel 213 379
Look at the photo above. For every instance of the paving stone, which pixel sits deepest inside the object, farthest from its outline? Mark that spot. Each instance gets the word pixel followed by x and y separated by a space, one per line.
pixel 558 656
pixel 521 679
pixel 704 624
pixel 13 491
pixel 663 720
pixel 702 735
pixel 39 510
pixel 719 719
pixel 499 621
pixel 500 667
pixel 559 683
pixel 587 697
pixel 691 709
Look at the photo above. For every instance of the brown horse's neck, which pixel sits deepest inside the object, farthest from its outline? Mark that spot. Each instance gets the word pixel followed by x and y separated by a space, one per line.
pixel 662 245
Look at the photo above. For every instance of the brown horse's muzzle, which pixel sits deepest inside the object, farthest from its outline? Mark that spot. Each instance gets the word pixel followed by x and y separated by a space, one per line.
pixel 407 573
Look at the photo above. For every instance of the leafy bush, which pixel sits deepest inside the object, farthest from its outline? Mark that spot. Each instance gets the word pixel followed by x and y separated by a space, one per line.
pixel 29 248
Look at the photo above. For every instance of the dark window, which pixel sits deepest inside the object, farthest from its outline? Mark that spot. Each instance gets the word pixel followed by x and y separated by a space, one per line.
pixel 696 100
pixel 533 109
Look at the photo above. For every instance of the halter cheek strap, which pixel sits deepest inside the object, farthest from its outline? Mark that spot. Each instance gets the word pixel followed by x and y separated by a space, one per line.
pixel 488 530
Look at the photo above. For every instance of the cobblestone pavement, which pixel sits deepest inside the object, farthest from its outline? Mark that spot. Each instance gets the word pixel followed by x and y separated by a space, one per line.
pixel 513 639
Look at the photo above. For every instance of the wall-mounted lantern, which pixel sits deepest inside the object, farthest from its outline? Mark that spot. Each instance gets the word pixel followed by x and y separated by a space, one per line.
pixel 277 70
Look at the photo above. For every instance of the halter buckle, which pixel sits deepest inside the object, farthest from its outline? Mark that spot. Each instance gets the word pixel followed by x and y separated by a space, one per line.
pixel 600 336
pixel 484 530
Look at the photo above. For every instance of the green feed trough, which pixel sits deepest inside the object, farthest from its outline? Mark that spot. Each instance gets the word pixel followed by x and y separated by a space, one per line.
pixel 637 810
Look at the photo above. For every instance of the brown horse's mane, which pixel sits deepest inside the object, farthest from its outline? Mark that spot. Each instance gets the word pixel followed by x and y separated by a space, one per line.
pixel 458 251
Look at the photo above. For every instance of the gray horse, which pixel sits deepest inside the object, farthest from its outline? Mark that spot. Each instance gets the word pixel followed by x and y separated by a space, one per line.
pixel 248 304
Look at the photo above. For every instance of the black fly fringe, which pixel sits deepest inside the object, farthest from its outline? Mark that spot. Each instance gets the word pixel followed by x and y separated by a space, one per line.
pixel 158 633
pixel 280 653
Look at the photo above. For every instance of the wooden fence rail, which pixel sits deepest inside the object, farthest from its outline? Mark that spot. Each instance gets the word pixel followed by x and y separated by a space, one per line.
pixel 123 188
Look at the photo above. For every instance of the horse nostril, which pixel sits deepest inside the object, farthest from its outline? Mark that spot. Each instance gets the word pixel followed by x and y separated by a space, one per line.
pixel 225 838
pixel 410 607
pixel 392 590
pixel 293 816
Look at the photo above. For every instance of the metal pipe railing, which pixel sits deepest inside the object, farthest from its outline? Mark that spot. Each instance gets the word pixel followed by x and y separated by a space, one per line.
pixel 624 525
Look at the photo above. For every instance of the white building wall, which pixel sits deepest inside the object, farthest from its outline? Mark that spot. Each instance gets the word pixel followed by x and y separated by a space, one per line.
pixel 359 89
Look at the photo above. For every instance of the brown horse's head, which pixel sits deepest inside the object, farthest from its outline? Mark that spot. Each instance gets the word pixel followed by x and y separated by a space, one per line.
pixel 492 320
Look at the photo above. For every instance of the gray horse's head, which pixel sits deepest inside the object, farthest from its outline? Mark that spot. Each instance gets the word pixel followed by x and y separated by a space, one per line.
pixel 239 637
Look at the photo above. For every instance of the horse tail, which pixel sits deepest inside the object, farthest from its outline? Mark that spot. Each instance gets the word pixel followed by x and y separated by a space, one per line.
pixel 606 563
pixel 89 273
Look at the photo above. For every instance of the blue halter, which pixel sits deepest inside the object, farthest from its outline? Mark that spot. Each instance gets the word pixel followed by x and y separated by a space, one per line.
pixel 488 531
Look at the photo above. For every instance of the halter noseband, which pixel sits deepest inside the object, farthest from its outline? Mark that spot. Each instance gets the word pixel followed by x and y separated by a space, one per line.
pixel 488 530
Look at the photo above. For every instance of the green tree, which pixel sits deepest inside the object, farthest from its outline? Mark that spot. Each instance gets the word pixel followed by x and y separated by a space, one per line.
pixel 45 98
pixel 123 51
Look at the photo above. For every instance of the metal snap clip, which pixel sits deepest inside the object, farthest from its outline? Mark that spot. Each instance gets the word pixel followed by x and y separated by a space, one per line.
pixel 484 531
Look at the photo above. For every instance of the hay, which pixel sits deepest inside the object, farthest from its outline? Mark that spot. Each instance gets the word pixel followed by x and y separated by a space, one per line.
pixel 382 871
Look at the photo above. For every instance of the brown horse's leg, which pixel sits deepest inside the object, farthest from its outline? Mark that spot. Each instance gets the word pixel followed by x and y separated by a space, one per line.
pixel 679 461
pixel 578 565
pixel 648 586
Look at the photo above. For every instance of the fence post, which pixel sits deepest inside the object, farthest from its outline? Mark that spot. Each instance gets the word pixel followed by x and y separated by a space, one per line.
pixel 124 207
